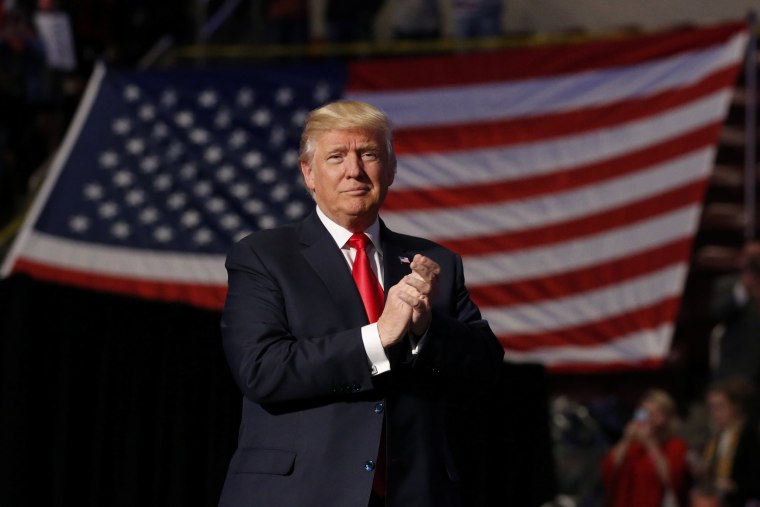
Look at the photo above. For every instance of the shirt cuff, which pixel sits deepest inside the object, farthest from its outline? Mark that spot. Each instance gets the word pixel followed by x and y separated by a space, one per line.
pixel 740 294
pixel 417 343
pixel 378 360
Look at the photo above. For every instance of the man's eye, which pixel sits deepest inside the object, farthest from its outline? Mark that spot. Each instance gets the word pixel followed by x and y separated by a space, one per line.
pixel 369 155
pixel 335 157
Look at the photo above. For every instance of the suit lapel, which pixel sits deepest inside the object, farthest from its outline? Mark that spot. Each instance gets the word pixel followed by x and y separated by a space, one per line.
pixel 393 253
pixel 327 261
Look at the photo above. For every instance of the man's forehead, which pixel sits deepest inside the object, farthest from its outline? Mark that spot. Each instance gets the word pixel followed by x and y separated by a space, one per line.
pixel 344 137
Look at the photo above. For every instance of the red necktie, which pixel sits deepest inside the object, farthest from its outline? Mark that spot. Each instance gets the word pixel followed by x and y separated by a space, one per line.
pixel 366 281
pixel 373 299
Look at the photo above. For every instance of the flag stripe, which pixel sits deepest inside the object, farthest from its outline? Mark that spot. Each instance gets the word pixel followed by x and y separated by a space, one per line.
pixel 581 280
pixel 525 63
pixel 484 134
pixel 506 102
pixel 510 190
pixel 597 333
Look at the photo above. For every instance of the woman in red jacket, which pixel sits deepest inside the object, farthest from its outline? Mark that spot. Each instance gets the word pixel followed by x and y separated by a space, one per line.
pixel 647 467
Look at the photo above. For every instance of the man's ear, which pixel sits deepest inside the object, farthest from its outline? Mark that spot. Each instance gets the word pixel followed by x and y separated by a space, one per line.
pixel 308 176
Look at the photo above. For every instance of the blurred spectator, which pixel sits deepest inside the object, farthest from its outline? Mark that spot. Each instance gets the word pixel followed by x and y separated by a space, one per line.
pixel 416 19
pixel 736 310
pixel 22 89
pixel 647 467
pixel 728 474
pixel 476 18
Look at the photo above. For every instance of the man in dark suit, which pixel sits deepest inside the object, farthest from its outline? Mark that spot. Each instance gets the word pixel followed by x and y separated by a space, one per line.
pixel 344 337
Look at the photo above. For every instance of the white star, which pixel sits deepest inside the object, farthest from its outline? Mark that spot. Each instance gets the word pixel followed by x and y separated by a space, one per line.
pixel 163 234
pixel 160 130
pixel 169 98
pixel 93 191
pixel 108 159
pixel 230 221
pixel 176 200
pixel 299 117
pixel 203 236
pixel 108 210
pixel 280 192
pixel 203 189
pixel 79 223
pixel 253 159
pixel 216 205
pixel 162 182
pixel 148 215
pixel 290 158
pixel 135 197
pixel 226 173
pixel 208 99
pixel 244 97
pixel 266 175
pixel 261 118
pixel 120 229
pixel 238 138
pixel 184 119
pixel 131 93
pixel 123 178
pixel 213 154
pixel 267 222
pixel 135 146
pixel 295 210
pixel 284 96
pixel 199 136
pixel 254 206
pixel 277 136
pixel 121 126
pixel 146 112
pixel 188 171
pixel 322 93
pixel 175 151
pixel 223 119
pixel 149 165
pixel 190 218
pixel 241 190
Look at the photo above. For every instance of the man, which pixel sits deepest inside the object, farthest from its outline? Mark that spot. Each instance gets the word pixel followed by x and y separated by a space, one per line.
pixel 344 383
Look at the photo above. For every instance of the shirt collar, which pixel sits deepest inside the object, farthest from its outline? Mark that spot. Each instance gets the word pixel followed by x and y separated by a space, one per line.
pixel 341 235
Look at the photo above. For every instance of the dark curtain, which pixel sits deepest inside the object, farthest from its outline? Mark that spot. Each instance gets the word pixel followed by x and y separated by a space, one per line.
pixel 114 401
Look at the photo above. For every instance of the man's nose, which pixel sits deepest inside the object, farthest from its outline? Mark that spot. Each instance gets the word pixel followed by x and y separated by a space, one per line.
pixel 354 165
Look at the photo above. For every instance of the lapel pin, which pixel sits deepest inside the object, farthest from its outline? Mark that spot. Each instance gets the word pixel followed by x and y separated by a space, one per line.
pixel 404 260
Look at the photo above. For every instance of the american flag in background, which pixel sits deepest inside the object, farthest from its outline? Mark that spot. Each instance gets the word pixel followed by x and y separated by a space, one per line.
pixel 569 177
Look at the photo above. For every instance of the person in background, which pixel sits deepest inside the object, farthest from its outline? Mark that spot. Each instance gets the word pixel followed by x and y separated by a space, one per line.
pixel 647 467
pixel 728 474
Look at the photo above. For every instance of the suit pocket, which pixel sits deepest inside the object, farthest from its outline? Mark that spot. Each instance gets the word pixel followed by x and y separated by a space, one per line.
pixel 265 461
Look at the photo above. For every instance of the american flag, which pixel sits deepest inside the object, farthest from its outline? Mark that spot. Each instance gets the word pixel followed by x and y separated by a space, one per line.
pixel 569 177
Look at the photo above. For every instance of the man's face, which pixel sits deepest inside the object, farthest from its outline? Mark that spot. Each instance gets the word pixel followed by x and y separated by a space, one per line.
pixel 349 176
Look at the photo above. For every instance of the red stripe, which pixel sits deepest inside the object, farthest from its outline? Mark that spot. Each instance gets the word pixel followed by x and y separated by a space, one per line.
pixel 608 367
pixel 530 62
pixel 602 332
pixel 581 280
pixel 204 296
pixel 586 225
pixel 561 180
pixel 448 138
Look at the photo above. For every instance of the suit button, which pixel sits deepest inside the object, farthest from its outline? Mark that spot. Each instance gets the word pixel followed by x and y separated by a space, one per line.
pixel 356 388
pixel 369 466
pixel 379 408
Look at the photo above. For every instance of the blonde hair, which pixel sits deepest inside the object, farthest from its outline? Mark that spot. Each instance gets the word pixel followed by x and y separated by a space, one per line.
pixel 668 406
pixel 346 115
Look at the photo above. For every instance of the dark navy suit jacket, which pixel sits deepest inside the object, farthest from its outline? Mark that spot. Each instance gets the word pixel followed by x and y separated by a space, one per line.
pixel 312 411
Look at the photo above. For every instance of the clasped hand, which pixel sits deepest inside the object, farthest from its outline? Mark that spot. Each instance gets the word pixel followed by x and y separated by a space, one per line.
pixel 409 303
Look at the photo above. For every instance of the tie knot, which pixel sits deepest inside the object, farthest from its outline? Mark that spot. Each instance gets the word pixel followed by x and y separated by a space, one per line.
pixel 358 241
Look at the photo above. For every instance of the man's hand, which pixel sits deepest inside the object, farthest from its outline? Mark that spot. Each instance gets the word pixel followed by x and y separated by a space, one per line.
pixel 408 303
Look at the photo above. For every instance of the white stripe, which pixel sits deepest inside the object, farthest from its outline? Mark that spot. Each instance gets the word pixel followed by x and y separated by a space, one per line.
pixel 555 258
pixel 489 219
pixel 553 94
pixel 635 347
pixel 510 163
pixel 179 267
pixel 55 167
pixel 587 307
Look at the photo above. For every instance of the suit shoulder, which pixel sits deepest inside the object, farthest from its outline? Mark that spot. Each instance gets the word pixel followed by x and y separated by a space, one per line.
pixel 269 241
pixel 419 244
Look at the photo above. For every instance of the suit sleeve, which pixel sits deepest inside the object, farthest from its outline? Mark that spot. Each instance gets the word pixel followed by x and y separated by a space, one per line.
pixel 460 342
pixel 269 363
